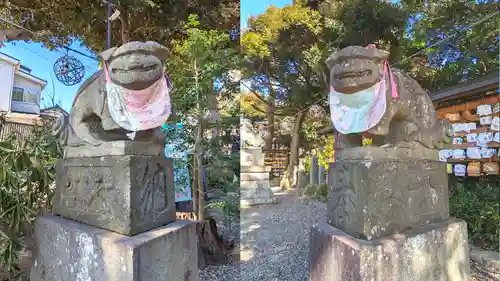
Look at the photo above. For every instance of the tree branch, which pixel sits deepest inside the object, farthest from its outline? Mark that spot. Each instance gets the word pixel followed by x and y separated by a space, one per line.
pixel 265 112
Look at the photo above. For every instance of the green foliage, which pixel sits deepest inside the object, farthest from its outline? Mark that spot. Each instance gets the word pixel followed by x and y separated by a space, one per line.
pixel 467 53
pixel 323 151
pixel 316 192
pixel 252 106
pixel 287 47
pixel 200 67
pixel 207 55
pixel 230 206
pixel 27 174
pixel 62 21
pixel 478 204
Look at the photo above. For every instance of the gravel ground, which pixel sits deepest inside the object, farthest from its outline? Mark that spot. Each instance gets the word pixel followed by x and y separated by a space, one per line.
pixel 274 242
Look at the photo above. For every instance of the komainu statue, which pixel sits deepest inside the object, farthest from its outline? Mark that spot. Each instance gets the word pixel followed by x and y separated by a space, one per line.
pixel 128 99
pixel 367 97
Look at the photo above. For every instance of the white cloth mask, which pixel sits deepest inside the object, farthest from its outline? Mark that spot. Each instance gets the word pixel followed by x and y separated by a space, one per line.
pixel 359 112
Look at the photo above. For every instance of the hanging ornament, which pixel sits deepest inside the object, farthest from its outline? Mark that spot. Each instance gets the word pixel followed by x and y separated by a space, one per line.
pixel 316 112
pixel 69 70
pixel 285 125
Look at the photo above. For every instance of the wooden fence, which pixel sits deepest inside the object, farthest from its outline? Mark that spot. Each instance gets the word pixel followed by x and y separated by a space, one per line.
pixel 8 128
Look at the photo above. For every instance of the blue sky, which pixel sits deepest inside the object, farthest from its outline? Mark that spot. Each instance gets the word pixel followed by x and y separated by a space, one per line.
pixel 255 7
pixel 41 60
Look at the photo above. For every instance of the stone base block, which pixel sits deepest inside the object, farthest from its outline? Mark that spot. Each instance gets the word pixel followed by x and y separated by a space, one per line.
pixel 254 176
pixel 67 250
pixel 371 199
pixel 434 252
pixel 255 192
pixel 127 194
pixel 257 201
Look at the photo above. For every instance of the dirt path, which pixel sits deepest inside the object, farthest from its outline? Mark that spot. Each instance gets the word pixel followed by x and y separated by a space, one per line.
pixel 274 242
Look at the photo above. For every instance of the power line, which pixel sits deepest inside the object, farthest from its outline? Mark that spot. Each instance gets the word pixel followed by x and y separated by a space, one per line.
pixel 402 60
pixel 450 36
pixel 60 45
pixel 44 57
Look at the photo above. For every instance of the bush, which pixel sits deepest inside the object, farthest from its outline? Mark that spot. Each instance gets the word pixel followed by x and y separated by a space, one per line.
pixel 27 173
pixel 478 204
pixel 316 192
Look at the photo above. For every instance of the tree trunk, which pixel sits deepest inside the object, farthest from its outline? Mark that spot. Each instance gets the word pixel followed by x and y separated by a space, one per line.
pixel 199 168
pixel 124 27
pixel 194 188
pixel 294 151
pixel 270 123
pixel 213 107
pixel 198 150
pixel 212 249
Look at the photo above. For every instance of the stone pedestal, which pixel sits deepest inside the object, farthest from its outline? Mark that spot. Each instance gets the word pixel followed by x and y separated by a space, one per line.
pixel 388 220
pixel 378 198
pixel 255 187
pixel 67 250
pixel 433 252
pixel 115 220
pixel 126 194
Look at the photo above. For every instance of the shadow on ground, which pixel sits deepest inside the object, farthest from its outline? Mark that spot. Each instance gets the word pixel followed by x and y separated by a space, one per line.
pixel 274 241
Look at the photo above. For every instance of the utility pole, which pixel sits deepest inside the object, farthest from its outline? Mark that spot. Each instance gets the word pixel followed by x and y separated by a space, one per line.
pixel 109 25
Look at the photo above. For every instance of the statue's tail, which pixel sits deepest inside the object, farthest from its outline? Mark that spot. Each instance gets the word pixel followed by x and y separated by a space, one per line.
pixel 60 128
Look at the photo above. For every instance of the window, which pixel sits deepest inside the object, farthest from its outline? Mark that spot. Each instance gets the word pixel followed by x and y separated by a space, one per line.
pixel 24 95
pixel 17 94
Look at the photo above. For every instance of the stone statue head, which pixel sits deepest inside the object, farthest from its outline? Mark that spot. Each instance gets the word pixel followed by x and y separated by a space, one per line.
pixel 135 65
pixel 356 68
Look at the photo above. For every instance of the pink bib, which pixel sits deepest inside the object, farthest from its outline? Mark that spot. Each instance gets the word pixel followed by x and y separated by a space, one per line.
pixel 138 110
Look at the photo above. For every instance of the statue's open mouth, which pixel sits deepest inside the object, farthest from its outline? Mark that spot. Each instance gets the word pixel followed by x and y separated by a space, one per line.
pixel 352 74
pixel 140 68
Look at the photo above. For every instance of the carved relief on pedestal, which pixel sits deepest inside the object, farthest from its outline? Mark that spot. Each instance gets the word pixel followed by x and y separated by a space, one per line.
pixel 342 197
pixel 87 188
pixel 153 194
pixel 369 201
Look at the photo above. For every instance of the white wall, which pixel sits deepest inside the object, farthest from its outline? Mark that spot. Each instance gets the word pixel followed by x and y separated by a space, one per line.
pixel 33 88
pixel 6 79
